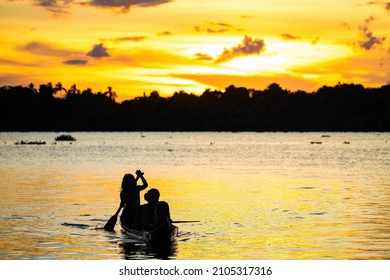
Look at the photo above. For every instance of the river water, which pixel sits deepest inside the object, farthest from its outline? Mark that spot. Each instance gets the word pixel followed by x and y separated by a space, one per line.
pixel 256 195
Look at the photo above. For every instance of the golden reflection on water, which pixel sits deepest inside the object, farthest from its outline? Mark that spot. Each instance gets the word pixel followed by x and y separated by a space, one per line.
pixel 272 219
pixel 278 219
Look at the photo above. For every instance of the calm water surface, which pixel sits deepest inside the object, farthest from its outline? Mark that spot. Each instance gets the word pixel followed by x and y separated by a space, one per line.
pixel 257 195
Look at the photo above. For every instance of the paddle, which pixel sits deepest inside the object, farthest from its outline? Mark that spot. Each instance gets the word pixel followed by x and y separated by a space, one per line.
pixel 109 226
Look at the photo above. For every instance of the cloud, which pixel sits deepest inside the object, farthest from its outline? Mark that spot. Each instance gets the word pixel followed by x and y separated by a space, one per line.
pixel 125 5
pixel 165 33
pixel 16 79
pixel 76 62
pixel 202 56
pixel 210 30
pixel 290 37
pixel 246 16
pixel 216 27
pixel 369 40
pixel 41 48
pixel 15 63
pixel 55 6
pixel 98 51
pixel 221 24
pixel 130 39
pixel 62 6
pixel 385 5
pixel 249 46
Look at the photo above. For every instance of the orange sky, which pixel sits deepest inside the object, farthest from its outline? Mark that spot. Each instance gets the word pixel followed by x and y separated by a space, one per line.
pixel 138 46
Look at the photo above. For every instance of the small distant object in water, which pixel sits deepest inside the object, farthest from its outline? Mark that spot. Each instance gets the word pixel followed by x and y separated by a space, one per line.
pixel 65 137
pixel 325 135
pixel 315 142
pixel 346 142
pixel 30 143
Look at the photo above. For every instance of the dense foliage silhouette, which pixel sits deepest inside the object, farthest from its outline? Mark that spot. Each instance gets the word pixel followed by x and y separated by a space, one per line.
pixel 344 107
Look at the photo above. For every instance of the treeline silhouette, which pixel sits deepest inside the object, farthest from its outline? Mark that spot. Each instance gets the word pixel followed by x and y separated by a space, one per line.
pixel 344 107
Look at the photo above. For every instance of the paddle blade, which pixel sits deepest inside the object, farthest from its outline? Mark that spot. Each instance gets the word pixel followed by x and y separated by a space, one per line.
pixel 109 226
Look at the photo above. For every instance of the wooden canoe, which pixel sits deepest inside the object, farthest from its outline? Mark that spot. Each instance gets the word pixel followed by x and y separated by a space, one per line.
pixel 145 236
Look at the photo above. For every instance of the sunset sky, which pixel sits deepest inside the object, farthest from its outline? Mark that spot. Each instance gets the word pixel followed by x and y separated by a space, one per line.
pixel 138 46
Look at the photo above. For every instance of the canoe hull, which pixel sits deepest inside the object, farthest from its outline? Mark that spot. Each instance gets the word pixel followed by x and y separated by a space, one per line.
pixel 144 236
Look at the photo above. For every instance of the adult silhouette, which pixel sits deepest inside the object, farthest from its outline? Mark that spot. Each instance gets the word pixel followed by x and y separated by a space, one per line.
pixel 130 196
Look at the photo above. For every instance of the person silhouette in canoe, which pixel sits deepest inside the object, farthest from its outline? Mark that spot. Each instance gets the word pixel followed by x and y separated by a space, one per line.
pixel 130 196
pixel 160 231
pixel 146 212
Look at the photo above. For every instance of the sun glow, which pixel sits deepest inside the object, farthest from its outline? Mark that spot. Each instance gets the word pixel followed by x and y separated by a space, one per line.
pixel 281 57
pixel 247 65
pixel 278 57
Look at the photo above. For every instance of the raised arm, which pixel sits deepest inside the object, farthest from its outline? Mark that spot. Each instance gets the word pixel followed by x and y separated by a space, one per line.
pixel 140 175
